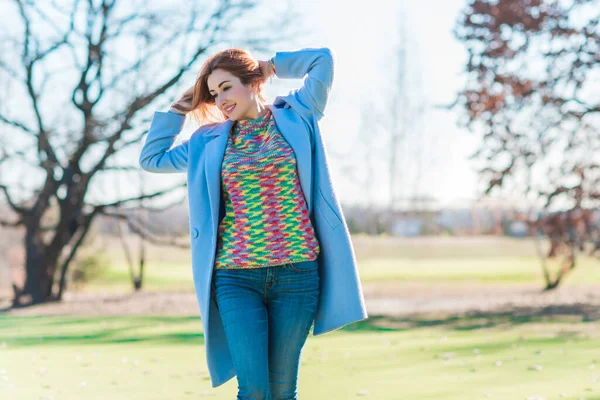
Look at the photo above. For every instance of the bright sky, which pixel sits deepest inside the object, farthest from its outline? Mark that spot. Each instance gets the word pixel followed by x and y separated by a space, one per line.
pixel 363 36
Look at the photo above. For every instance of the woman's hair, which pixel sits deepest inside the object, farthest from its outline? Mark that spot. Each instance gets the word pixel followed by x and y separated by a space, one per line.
pixel 236 61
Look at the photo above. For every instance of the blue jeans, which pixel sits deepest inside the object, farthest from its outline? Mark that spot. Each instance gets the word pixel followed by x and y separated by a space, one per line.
pixel 267 314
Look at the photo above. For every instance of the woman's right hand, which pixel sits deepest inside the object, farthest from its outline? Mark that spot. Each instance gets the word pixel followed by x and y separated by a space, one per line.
pixel 184 104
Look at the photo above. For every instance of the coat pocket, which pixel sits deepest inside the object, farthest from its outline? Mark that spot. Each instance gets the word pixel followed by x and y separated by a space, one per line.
pixel 327 211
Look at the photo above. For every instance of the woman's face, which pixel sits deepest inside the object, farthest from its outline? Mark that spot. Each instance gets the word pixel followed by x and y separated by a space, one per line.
pixel 232 97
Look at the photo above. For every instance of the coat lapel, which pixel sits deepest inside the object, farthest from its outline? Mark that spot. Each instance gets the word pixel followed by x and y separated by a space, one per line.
pixel 216 141
pixel 290 125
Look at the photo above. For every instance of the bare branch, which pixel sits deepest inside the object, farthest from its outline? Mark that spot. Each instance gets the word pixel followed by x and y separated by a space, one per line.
pixel 11 224
pixel 29 61
pixel 18 125
pixel 15 207
pixel 122 168
pixel 146 235
pixel 10 71
pixel 137 198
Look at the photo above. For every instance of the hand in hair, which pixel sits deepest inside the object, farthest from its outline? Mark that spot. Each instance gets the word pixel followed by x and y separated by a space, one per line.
pixel 184 104
pixel 267 69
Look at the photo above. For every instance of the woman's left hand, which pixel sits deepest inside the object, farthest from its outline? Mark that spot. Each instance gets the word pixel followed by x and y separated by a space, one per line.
pixel 266 69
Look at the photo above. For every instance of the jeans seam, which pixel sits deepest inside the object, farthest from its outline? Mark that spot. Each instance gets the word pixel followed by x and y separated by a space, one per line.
pixel 292 268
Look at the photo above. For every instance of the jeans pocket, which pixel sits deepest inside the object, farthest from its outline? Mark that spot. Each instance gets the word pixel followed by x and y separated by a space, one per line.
pixel 304 266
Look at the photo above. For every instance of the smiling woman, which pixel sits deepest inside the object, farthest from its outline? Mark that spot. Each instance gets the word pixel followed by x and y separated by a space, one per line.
pixel 271 252
pixel 229 86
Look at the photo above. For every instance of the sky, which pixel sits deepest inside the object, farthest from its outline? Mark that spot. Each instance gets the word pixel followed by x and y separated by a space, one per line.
pixel 363 36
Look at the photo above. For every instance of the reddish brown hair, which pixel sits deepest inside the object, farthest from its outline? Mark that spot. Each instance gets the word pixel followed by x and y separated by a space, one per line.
pixel 236 61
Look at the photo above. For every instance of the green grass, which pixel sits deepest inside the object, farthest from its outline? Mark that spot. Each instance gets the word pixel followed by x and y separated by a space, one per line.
pixel 161 275
pixel 478 260
pixel 482 269
pixel 461 358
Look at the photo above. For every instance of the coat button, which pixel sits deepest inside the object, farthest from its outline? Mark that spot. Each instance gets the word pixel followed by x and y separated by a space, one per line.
pixel 194 233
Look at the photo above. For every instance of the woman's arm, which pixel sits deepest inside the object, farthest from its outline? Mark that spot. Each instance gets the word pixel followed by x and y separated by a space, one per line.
pixel 318 67
pixel 157 154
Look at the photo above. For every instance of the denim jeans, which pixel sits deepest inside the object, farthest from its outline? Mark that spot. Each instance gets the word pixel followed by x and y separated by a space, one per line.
pixel 267 314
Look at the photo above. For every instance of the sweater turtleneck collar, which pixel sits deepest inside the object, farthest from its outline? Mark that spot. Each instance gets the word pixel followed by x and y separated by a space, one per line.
pixel 244 124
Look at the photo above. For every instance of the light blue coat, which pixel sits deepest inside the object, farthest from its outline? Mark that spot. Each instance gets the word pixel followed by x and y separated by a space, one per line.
pixel 297 114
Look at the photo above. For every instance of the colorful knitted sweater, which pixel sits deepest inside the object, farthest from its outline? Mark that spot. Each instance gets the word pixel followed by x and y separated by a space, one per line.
pixel 266 220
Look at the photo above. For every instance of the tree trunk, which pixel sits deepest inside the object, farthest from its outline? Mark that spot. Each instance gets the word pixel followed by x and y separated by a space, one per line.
pixel 39 271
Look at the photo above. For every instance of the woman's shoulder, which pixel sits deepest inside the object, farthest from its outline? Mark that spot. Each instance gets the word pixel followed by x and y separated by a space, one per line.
pixel 207 127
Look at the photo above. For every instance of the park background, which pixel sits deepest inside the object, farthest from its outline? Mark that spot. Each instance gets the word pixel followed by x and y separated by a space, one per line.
pixel 462 140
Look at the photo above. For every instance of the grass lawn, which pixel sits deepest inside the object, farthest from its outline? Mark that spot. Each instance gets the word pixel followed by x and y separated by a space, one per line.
pixel 480 260
pixel 497 357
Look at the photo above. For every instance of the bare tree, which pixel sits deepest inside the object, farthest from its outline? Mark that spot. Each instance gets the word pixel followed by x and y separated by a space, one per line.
pixel 530 94
pixel 84 79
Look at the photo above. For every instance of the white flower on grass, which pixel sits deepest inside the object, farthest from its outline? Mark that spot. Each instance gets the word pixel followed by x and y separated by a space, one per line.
pixel 536 367
pixel 448 356
pixel 363 393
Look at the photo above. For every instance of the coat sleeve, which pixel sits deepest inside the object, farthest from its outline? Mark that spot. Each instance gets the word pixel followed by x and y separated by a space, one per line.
pixel 157 154
pixel 316 66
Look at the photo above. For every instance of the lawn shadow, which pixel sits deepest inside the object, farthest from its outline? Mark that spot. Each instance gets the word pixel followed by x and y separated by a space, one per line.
pixel 44 330
pixel 474 320
pixel 153 330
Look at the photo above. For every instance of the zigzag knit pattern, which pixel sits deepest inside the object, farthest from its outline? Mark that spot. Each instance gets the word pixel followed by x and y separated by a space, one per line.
pixel 266 219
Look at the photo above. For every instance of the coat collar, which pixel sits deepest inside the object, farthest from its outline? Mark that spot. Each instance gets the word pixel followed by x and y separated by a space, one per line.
pixel 219 129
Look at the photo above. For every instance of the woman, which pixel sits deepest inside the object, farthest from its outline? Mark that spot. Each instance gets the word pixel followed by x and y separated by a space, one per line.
pixel 271 252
